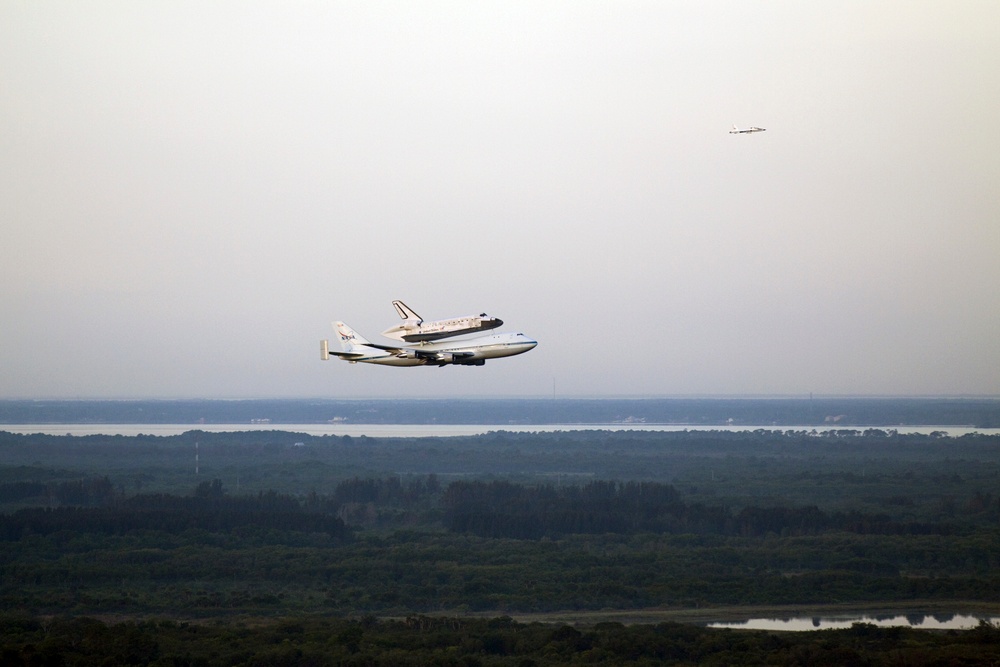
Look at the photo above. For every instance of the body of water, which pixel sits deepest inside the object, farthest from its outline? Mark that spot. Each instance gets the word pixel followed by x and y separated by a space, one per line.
pixel 917 621
pixel 438 430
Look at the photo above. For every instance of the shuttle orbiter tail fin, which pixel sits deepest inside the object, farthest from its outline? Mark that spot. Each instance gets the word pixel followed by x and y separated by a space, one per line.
pixel 349 338
pixel 406 313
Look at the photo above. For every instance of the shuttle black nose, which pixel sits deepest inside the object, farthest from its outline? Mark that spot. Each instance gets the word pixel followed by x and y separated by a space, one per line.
pixel 499 321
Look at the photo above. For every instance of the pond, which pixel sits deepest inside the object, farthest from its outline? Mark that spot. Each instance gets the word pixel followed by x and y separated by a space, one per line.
pixel 918 621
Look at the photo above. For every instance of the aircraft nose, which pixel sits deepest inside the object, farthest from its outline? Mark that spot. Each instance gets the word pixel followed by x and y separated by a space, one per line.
pixel 499 321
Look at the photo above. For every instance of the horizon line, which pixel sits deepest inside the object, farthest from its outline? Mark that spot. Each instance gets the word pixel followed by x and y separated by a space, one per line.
pixel 503 397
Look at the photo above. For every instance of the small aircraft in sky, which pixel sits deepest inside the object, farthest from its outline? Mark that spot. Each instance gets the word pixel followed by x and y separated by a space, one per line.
pixel 466 352
pixel 415 330
pixel 748 130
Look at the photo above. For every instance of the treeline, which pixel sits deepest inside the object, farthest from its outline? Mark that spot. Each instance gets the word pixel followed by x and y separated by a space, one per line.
pixel 413 544
pixel 83 491
pixel 494 509
pixel 465 642
pixel 391 490
pixel 833 469
pixel 502 509
pixel 209 509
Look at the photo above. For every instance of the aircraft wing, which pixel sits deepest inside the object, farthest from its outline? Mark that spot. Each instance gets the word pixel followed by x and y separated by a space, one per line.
pixel 429 356
pixel 418 352
pixel 387 348
pixel 437 355
pixel 325 352
pixel 346 355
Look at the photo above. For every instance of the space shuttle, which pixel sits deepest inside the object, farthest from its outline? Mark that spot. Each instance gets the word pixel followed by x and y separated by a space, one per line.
pixel 749 130
pixel 415 330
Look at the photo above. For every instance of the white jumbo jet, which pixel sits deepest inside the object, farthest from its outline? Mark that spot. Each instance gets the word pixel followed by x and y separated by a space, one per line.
pixel 415 330
pixel 748 130
pixel 467 352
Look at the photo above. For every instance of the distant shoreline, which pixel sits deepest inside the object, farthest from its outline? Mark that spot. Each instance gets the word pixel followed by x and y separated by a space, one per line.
pixel 819 413
pixel 446 430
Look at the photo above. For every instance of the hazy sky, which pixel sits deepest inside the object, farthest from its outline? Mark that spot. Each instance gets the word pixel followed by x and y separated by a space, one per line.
pixel 192 191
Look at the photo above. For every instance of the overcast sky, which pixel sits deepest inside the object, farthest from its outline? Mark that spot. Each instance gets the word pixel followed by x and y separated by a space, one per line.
pixel 191 191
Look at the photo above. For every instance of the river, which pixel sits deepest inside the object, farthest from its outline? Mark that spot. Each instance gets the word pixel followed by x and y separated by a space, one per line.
pixel 918 621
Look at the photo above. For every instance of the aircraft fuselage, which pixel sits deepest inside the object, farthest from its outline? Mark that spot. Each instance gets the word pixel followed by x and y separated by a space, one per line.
pixel 470 352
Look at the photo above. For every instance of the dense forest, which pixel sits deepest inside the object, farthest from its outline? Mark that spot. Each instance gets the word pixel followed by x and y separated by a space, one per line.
pixel 470 642
pixel 382 546
pixel 211 530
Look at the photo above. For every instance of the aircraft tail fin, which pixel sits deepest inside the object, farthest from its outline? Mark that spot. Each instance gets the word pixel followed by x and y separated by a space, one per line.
pixel 406 313
pixel 324 350
pixel 349 338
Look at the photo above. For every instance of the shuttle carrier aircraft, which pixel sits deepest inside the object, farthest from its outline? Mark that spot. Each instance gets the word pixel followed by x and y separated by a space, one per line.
pixel 467 352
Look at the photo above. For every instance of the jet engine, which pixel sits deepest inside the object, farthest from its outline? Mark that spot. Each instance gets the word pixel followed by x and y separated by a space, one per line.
pixel 429 357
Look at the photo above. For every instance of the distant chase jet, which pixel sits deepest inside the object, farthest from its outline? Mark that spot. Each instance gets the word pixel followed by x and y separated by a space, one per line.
pixel 748 130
